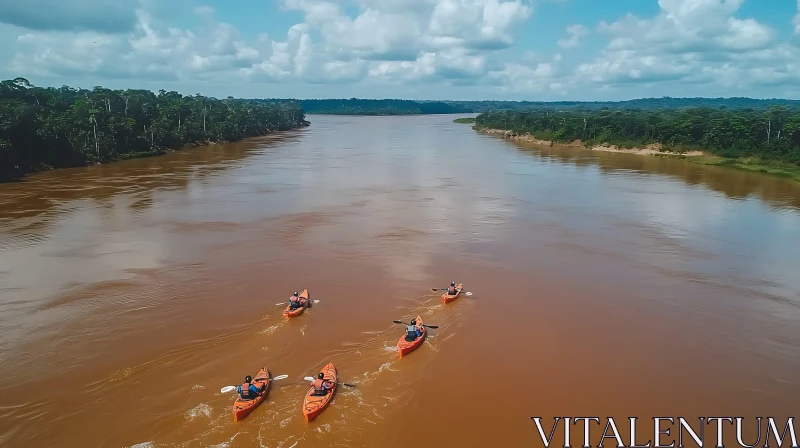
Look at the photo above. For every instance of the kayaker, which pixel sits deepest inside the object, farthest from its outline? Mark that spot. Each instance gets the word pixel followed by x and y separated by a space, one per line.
pixel 321 385
pixel 413 331
pixel 451 291
pixel 294 301
pixel 247 390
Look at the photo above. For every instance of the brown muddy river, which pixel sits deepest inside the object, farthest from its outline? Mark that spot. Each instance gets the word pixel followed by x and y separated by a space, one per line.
pixel 603 285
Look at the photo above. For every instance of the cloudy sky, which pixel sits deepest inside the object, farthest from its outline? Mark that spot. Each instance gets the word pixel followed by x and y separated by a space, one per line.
pixel 416 49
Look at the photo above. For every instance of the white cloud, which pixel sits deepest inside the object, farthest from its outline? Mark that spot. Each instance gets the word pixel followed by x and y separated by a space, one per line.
pixel 394 30
pixel 691 41
pixel 796 20
pixel 575 32
pixel 537 75
pixel 387 40
pixel 409 43
pixel 153 50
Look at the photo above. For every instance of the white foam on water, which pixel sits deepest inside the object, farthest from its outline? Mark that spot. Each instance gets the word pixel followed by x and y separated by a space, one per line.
pixel 291 440
pixel 386 366
pixel 368 376
pixel 201 409
pixel 198 387
pixel 143 445
pixel 120 374
pixel 270 330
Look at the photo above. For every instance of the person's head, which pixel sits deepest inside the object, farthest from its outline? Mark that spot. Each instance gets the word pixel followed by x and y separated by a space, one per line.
pixel 452 283
pixel 414 321
pixel 296 294
pixel 248 378
pixel 321 375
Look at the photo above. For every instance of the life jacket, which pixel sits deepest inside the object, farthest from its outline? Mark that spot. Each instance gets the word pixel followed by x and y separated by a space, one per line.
pixel 294 301
pixel 411 331
pixel 246 391
pixel 318 388
pixel 451 290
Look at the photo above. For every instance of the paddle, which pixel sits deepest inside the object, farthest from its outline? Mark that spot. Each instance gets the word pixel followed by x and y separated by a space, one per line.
pixel 426 326
pixel 308 378
pixel 284 303
pixel 227 389
pixel 466 293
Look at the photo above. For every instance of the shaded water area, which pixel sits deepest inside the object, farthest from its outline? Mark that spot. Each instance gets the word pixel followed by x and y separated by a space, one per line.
pixel 604 285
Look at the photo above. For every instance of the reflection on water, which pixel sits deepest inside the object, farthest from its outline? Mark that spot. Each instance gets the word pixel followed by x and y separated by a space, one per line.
pixel 778 192
pixel 141 288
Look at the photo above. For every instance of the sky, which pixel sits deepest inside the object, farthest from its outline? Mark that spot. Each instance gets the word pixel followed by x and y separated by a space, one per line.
pixel 536 50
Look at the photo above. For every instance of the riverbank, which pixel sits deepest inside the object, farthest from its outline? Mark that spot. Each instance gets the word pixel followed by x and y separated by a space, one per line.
pixel 754 164
pixel 19 175
pixel 50 128
pixel 16 176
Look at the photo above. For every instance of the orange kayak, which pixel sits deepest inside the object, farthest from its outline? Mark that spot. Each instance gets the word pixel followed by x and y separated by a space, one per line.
pixel 241 407
pixel 446 298
pixel 314 405
pixel 405 347
pixel 306 304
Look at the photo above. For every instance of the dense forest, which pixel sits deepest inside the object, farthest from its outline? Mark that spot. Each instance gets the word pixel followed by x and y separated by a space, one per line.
pixel 772 134
pixel 44 128
pixel 355 106
pixel 638 104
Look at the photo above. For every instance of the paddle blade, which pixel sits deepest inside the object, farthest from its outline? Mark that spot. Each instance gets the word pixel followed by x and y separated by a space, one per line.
pixel 468 293
pixel 227 389
pixel 315 301
pixel 308 378
pixel 431 326
pixel 280 377
pixel 279 304
pixel 398 322
pixel 349 385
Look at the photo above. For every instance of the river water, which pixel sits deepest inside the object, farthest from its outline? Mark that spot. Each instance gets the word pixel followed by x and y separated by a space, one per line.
pixel 603 285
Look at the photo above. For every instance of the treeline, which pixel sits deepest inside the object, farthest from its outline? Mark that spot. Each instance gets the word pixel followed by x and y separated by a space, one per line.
pixel 355 106
pixel 637 104
pixel 45 128
pixel 772 134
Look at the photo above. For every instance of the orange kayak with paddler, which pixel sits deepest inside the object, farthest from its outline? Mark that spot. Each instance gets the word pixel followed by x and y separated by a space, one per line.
pixel 313 405
pixel 405 347
pixel 447 298
pixel 242 407
pixel 288 312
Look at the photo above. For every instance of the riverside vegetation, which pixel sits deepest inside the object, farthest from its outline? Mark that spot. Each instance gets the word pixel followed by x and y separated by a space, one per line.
pixel 464 120
pixel 46 128
pixel 357 106
pixel 757 140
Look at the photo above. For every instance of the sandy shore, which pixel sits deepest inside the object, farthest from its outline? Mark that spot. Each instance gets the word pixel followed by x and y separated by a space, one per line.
pixel 653 149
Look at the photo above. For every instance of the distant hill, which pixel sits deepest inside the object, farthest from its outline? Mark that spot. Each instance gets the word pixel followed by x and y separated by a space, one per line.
pixel 356 106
